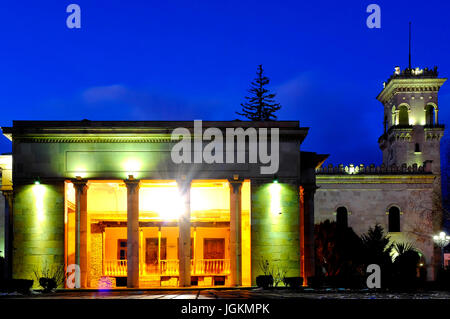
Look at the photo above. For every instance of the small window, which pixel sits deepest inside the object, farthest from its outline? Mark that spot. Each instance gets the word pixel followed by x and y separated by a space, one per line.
pixel 394 219
pixel 417 148
pixel 403 118
pixel 342 217
pixel 122 249
pixel 429 114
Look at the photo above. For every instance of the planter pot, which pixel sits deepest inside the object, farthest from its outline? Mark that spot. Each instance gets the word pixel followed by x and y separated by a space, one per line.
pixel 264 281
pixel 314 282
pixel 22 286
pixel 47 283
pixel 293 282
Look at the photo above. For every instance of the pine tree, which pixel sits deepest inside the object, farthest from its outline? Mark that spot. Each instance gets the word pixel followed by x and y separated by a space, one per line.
pixel 260 106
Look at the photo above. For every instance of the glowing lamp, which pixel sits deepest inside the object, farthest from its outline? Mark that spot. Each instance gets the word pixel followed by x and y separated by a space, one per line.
pixel 442 240
pixel 132 167
pixel 275 198
pixel 38 192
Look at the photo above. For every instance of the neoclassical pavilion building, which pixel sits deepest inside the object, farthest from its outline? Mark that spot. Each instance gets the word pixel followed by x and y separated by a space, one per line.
pixel 108 196
pixel 111 197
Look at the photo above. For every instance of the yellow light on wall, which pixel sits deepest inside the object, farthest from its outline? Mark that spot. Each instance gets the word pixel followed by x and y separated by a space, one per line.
pixel 131 167
pixel 165 201
pixel 170 204
pixel 275 198
pixel 80 171
pixel 39 192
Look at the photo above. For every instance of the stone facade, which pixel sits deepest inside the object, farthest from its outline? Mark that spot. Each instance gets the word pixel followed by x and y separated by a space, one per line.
pixel 82 152
pixel 38 229
pixel 368 198
pixel 410 176
pixel 96 258
pixel 275 228
pixel 2 225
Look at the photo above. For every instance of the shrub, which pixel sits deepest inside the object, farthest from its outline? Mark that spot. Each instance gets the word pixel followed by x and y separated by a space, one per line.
pixel 443 278
pixel 266 280
pixel 338 255
pixel 406 264
pixel 50 277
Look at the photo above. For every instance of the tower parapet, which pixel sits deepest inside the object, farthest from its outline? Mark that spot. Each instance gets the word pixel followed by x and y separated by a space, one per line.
pixel 371 169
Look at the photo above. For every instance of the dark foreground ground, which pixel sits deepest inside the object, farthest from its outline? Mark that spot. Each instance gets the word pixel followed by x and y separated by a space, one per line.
pixel 224 303
pixel 256 293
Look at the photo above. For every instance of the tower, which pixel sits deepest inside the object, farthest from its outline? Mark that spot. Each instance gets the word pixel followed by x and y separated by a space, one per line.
pixel 412 131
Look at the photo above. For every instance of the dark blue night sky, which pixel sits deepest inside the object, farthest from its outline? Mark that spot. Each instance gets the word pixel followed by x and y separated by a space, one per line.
pixel 185 60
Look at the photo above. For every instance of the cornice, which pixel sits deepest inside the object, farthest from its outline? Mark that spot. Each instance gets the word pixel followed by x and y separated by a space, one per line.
pixel 410 85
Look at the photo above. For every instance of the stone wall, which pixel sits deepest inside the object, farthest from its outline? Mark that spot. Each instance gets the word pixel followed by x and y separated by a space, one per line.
pixel 2 225
pixel 38 228
pixel 275 227
pixel 368 199
pixel 96 258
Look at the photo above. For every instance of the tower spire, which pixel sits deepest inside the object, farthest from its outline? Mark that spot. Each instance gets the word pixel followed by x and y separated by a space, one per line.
pixel 409 64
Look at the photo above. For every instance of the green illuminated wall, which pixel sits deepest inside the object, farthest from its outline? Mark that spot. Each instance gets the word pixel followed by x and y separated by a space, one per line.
pixel 38 228
pixel 275 236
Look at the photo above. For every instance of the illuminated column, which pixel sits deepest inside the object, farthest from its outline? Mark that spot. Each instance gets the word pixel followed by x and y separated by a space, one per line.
pixel 184 226
pixel 235 233
pixel 132 232
pixel 8 232
pixel 307 231
pixel 81 229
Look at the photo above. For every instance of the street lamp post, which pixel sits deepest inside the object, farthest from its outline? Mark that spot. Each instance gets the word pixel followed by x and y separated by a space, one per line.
pixel 442 240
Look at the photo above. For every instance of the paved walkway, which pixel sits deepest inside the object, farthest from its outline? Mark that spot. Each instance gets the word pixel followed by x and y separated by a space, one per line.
pixel 231 294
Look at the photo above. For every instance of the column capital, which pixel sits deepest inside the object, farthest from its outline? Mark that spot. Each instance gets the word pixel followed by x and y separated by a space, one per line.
pixel 8 195
pixel 235 185
pixel 80 185
pixel 132 184
pixel 184 184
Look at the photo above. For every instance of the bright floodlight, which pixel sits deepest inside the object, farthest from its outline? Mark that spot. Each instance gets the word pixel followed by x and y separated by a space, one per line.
pixel 442 239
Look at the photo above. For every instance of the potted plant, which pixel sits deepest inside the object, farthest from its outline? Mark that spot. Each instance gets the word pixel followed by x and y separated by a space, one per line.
pixel 265 281
pixel 293 282
pixel 49 278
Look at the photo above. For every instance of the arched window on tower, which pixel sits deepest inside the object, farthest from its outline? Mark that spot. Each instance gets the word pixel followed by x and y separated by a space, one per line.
pixel 429 115
pixel 403 115
pixel 417 148
pixel 342 217
pixel 394 219
pixel 394 116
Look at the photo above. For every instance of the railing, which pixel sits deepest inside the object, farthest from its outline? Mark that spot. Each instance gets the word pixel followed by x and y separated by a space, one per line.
pixel 115 267
pixel 169 267
pixel 210 267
